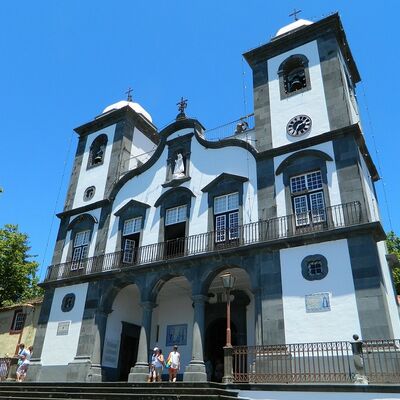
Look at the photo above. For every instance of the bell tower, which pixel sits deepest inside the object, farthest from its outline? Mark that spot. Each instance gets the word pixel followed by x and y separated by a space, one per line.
pixel 304 83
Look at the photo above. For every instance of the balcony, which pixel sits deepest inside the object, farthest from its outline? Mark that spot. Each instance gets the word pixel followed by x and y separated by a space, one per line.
pixel 280 228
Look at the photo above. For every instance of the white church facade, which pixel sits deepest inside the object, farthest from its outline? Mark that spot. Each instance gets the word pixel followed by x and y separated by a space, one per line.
pixel 285 203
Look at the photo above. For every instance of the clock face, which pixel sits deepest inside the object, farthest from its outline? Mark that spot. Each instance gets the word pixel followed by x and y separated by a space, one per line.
pixel 299 125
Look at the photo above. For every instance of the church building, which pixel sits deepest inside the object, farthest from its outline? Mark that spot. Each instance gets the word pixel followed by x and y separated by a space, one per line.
pixel 283 200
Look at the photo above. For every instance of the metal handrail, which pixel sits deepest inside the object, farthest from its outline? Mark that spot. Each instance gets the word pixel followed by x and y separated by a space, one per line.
pixel 334 217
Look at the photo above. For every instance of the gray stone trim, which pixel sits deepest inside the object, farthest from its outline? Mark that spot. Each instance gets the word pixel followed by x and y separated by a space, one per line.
pixel 369 287
pixel 305 34
pixel 336 101
pixel 80 219
pixel 262 111
pixel 73 183
pixel 349 172
pixel 301 154
pixel 61 236
pixel 182 145
pixel 113 117
pixel 131 204
pixel 102 229
pixel 102 137
pixel 266 189
pixel 273 325
pixel 79 225
pixel 305 271
pixel 83 209
pixel 223 179
pixel 42 323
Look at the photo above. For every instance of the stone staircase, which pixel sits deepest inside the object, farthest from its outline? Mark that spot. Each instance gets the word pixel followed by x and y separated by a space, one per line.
pixel 116 391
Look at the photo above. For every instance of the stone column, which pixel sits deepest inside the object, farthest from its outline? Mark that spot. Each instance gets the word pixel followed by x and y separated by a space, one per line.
pixel 196 370
pixel 258 317
pixel 140 371
pixel 86 366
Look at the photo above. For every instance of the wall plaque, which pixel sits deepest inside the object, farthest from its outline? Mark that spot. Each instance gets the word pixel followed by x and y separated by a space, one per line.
pixel 63 328
pixel 176 334
pixel 318 302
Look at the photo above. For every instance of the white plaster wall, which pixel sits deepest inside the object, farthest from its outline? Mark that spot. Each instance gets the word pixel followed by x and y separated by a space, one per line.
pixel 125 308
pixel 174 308
pixel 333 184
pixel 206 165
pixel 311 102
pixel 141 149
pixel 369 191
pixel 96 176
pixel 338 324
pixel 389 290
pixel 61 350
pixel 96 214
pixel 286 395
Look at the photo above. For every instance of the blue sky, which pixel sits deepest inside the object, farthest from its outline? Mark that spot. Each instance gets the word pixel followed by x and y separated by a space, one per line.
pixel 63 62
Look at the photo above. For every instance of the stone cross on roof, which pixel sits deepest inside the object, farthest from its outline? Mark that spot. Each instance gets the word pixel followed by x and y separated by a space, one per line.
pixel 294 14
pixel 129 94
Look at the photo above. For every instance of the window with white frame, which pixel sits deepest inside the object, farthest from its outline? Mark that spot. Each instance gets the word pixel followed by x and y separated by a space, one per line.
pixel 18 321
pixel 175 215
pixel 80 251
pixel 130 239
pixel 226 217
pixel 308 198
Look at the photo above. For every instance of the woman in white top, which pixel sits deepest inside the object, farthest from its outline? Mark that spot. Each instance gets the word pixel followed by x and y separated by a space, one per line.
pixel 175 361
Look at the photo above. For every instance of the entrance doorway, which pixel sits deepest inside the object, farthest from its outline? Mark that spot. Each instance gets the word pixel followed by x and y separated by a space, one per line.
pixel 128 349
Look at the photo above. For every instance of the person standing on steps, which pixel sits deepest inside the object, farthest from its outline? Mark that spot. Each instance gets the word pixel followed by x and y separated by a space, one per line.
pixel 175 361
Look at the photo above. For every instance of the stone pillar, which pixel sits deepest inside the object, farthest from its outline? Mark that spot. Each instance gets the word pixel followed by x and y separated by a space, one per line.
pixel 140 371
pixel 196 370
pixel 258 317
pixel 228 365
pixel 86 366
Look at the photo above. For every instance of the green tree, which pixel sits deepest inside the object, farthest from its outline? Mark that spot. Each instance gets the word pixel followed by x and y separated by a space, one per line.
pixel 18 279
pixel 393 245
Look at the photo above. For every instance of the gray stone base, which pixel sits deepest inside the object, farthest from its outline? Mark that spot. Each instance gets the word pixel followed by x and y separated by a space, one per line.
pixel 195 372
pixel 139 373
pixel 82 370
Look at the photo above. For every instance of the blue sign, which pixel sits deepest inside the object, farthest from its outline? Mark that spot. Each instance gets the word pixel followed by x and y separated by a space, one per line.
pixel 318 302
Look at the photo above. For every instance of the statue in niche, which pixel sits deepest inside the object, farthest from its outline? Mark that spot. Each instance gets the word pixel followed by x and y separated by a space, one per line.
pixel 179 168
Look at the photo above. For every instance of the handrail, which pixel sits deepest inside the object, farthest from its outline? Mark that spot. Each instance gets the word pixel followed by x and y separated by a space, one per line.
pixel 334 217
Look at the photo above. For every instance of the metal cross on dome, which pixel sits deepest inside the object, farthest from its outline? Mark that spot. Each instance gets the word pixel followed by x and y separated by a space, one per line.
pixel 182 105
pixel 129 94
pixel 294 14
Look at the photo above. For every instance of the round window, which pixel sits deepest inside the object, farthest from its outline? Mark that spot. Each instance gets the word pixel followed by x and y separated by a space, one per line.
pixel 89 193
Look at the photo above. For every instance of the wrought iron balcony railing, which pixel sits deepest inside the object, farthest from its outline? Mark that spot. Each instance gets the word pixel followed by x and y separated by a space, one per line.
pixel 330 218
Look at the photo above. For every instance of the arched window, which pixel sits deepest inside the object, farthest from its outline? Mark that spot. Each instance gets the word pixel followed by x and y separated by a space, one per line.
pixel 97 151
pixel 294 76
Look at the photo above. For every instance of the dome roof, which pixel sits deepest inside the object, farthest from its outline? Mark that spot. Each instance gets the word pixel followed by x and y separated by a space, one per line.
pixel 135 107
pixel 294 25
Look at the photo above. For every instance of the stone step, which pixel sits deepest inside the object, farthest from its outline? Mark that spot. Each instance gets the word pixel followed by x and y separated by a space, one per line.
pixel 133 396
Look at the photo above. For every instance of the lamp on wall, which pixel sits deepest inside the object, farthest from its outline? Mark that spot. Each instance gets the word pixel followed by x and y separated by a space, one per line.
pixel 228 282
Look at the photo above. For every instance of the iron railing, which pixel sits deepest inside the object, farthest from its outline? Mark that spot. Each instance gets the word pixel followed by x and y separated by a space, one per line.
pixel 323 362
pixel 235 129
pixel 334 217
pixel 4 367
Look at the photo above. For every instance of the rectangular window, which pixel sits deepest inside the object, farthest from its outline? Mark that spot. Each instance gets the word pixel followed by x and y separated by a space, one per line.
pixel 81 248
pixel 129 250
pixel 220 227
pixel 226 217
pixel 18 321
pixel 309 206
pixel 175 215
pixel 226 203
pixel 131 226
